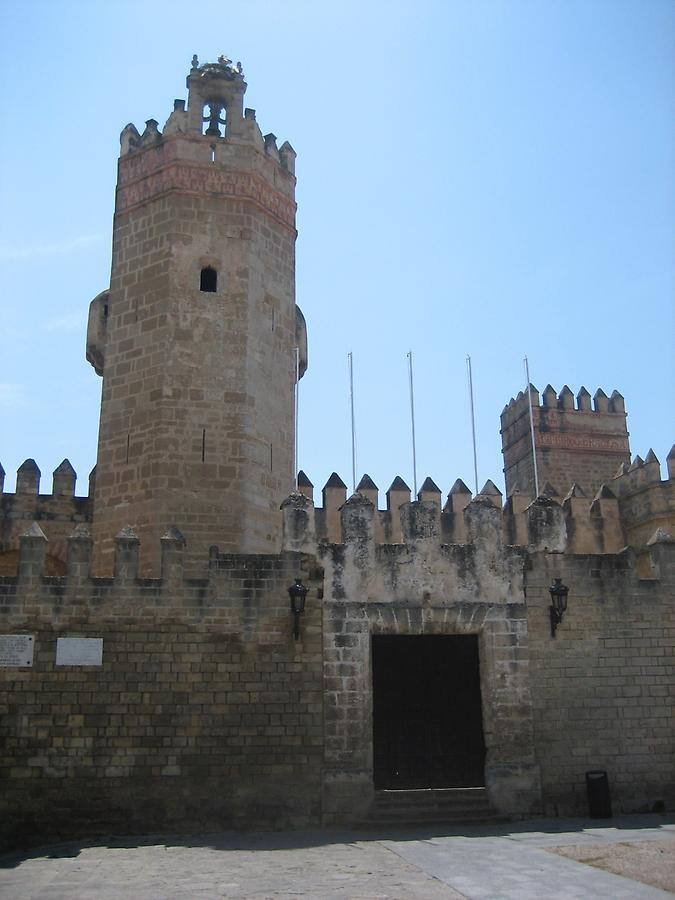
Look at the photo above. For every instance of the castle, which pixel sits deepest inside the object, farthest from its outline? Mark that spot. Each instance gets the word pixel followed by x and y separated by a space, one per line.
pixel 153 674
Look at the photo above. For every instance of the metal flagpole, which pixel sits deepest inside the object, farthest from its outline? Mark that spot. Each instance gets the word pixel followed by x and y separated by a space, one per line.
pixel 534 451
pixel 351 404
pixel 297 409
pixel 473 422
pixel 412 421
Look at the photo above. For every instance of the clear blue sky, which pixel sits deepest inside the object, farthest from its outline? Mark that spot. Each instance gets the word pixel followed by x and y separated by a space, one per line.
pixel 483 177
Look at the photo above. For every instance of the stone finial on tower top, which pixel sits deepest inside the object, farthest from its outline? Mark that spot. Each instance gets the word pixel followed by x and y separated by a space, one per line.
pixel 335 482
pixel 584 399
pixel 459 487
pixel 550 397
pixel 130 139
pixel 303 480
pixel 617 403
pixel 215 89
pixel 397 495
pixel 492 492
pixel 490 489
pixel 28 477
pixel 566 398
pixel 601 401
pixel 398 484
pixel 366 484
pixel 430 492
pixel 222 68
pixel 305 486
pixel 64 477
pixel 458 498
pixel 367 488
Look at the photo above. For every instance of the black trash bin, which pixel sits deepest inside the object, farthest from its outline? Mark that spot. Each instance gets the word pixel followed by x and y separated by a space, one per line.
pixel 597 788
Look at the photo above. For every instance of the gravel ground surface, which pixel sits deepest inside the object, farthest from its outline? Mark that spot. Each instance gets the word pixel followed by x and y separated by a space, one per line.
pixel 651 862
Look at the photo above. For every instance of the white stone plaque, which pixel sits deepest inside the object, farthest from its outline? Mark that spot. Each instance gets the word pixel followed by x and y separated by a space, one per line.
pixel 16 649
pixel 79 651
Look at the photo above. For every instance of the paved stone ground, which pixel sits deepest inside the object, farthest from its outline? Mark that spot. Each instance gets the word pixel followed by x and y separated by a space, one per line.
pixel 497 862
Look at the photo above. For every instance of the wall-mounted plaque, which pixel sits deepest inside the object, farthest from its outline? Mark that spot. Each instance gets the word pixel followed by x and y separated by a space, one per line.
pixel 16 649
pixel 79 651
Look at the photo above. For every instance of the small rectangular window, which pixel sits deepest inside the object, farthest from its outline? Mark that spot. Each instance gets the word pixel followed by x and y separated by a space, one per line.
pixel 208 281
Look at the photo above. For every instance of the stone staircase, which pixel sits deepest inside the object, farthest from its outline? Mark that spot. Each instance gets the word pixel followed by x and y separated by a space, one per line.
pixel 433 806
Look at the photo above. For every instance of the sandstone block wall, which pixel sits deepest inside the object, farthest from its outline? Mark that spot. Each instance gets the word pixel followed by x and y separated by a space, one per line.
pixel 58 514
pixel 598 695
pixel 196 422
pixel 574 442
pixel 205 713
pixel 645 501
pixel 603 690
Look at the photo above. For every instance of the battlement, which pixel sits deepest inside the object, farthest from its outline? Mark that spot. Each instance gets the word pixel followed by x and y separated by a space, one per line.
pixel 599 523
pixel 58 513
pixel 241 583
pixel 577 440
pixel 635 509
pixel 238 587
pixel 211 130
pixel 645 501
pixel 565 400
pixel 28 476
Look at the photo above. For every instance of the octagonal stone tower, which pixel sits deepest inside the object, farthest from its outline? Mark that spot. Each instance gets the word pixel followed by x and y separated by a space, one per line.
pixel 198 339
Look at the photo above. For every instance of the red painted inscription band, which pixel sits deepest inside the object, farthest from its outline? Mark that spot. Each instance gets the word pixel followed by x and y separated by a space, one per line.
pixel 566 441
pixel 200 180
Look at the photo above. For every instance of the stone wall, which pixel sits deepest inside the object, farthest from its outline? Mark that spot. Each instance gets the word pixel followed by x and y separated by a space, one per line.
pixel 603 690
pixel 598 695
pixel 205 713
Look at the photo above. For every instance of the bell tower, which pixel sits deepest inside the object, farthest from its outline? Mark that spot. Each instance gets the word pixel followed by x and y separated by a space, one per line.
pixel 198 339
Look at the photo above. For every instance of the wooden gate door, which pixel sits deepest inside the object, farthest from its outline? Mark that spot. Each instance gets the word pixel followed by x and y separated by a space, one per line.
pixel 427 718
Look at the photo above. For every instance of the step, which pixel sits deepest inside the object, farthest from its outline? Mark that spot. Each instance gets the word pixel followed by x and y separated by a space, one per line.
pixel 431 806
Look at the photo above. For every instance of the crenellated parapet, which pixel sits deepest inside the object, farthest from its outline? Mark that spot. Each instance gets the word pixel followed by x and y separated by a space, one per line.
pixel 626 511
pixel 577 440
pixel 422 567
pixel 56 513
pixel 574 523
pixel 245 593
pixel 645 501
pixel 206 146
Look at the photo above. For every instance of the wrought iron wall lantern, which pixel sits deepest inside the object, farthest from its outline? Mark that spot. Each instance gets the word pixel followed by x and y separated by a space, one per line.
pixel 558 592
pixel 298 594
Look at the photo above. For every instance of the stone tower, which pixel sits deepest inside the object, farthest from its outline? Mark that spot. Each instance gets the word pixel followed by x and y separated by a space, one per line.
pixel 580 443
pixel 198 339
